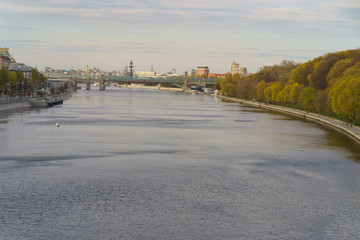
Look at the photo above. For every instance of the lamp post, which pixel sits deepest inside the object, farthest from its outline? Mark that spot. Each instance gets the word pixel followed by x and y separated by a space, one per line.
pixel 17 88
pixel 22 88
pixel 8 89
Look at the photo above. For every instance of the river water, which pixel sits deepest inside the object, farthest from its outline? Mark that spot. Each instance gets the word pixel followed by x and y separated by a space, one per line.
pixel 144 164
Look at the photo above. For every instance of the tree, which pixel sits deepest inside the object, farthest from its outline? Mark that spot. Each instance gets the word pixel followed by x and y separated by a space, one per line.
pixel 349 100
pixel 318 76
pixel 307 98
pixel 261 86
pixel 295 91
pixel 301 73
pixel 284 95
pixel 272 91
pixel 344 97
pixel 228 86
pixel 338 69
pixel 321 102
pixel 247 88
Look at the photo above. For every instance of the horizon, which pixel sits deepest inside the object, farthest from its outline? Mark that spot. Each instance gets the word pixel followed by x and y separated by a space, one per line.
pixel 108 34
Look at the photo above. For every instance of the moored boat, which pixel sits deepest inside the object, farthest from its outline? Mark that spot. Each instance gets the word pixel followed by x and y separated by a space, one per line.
pixel 44 102
pixel 50 100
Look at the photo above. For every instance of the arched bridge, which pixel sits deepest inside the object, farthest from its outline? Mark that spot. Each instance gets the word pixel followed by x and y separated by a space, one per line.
pixel 179 82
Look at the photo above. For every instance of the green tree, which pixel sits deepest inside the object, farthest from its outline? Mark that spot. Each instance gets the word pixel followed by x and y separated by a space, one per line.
pixel 261 86
pixel 247 88
pixel 295 91
pixel 284 95
pixel 272 91
pixel 321 102
pixel 318 76
pixel 349 100
pixel 338 69
pixel 228 86
pixel 344 97
pixel 301 73
pixel 307 98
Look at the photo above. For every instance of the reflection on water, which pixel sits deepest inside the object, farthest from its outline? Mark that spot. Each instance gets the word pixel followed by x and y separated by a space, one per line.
pixel 138 164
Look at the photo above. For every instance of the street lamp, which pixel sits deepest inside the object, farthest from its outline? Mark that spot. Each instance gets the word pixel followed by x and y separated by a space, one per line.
pixel 8 89
pixel 17 88
pixel 22 87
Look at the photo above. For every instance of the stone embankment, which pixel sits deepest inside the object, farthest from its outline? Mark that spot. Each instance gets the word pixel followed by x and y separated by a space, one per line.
pixel 7 105
pixel 22 103
pixel 345 127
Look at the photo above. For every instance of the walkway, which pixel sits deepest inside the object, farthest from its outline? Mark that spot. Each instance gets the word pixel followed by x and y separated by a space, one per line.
pixel 347 128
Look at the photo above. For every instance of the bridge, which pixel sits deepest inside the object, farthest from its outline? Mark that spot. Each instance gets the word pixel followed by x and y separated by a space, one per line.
pixel 178 82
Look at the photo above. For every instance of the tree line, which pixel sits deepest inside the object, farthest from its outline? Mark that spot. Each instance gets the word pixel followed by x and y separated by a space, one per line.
pixel 12 82
pixel 328 85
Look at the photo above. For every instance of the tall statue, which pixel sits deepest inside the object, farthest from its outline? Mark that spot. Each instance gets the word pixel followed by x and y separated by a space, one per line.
pixel 131 68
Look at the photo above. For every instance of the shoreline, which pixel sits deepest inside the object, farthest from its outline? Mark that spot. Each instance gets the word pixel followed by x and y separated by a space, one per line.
pixel 18 104
pixel 15 104
pixel 151 87
pixel 345 127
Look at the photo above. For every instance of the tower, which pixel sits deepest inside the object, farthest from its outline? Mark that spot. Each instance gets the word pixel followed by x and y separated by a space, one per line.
pixel 131 68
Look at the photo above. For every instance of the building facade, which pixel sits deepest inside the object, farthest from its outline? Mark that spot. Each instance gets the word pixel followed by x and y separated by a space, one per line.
pixel 236 69
pixel 202 71
pixel 4 62
pixel 21 67
pixel 145 74
pixel 5 58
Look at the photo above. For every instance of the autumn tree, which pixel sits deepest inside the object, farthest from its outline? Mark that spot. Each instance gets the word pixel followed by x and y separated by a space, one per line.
pixel 300 74
pixel 272 91
pixel 307 98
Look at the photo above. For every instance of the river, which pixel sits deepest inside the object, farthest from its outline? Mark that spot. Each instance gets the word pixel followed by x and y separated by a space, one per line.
pixel 146 164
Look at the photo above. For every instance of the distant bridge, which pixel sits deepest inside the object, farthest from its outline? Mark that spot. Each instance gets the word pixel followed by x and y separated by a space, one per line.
pixel 179 82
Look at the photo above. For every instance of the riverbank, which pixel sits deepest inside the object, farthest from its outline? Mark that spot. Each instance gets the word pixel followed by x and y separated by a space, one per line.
pixel 345 127
pixel 13 104
pixel 151 87
pixel 23 103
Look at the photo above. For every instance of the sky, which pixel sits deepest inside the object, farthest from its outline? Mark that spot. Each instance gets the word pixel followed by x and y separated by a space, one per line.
pixel 181 34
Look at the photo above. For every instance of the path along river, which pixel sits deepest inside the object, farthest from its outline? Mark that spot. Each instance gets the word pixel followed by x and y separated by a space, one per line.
pixel 145 164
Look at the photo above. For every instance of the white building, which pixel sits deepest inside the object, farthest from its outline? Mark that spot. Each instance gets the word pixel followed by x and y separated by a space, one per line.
pixel 235 68
pixel 145 74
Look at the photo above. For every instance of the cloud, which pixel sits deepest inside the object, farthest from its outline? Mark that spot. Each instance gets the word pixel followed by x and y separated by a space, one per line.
pixel 206 30
pixel 275 15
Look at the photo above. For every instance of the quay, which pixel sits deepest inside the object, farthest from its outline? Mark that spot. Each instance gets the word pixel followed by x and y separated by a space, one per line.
pixel 345 127
pixel 8 104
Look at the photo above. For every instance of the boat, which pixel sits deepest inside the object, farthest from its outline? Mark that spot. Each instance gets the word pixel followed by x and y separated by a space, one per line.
pixel 38 102
pixel 49 101
pixel 54 102
pixel 44 102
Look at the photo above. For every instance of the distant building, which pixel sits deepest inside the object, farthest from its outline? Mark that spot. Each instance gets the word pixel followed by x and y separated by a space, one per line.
pixel 236 69
pixel 21 67
pixel 5 52
pixel 4 62
pixel 150 73
pixel 145 74
pixel 192 73
pixel 202 71
pixel 5 58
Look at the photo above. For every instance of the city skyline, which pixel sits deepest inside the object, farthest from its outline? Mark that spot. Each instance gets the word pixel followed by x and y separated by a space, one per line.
pixel 182 35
